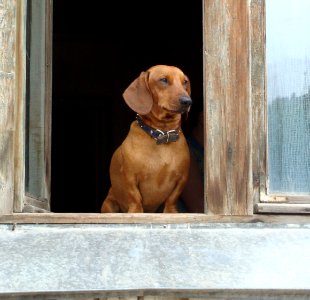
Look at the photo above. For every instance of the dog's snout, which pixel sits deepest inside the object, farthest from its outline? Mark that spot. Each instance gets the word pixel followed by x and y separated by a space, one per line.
pixel 185 101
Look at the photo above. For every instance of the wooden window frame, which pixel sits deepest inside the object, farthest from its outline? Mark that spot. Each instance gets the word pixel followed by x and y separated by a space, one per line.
pixel 234 90
pixel 236 113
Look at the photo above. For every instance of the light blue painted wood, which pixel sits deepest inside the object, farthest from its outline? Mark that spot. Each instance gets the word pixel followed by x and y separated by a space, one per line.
pixel 190 259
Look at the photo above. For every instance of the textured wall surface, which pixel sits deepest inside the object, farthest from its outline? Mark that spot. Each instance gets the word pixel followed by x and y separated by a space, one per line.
pixel 191 259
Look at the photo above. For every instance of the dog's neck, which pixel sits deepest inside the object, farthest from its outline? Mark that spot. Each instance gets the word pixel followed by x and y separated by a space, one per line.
pixel 164 121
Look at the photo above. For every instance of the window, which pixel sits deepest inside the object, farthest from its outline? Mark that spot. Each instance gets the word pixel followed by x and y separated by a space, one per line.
pixel 233 83
pixel 288 82
pixel 38 109
pixel 32 191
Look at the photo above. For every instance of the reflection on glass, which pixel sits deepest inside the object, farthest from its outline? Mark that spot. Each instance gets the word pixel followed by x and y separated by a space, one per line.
pixel 288 94
pixel 35 96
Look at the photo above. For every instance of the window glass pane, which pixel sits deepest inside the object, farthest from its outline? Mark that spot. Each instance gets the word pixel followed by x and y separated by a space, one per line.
pixel 288 94
pixel 35 99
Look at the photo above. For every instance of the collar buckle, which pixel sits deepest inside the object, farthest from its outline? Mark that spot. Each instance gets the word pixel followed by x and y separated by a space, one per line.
pixel 167 137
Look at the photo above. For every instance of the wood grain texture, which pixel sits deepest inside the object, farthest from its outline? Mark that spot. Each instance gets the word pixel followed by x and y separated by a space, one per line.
pixel 283 208
pixel 227 94
pixel 19 153
pixel 258 98
pixel 119 218
pixel 7 97
pixel 48 100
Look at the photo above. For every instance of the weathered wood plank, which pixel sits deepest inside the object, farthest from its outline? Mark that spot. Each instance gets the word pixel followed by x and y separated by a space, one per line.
pixel 284 208
pixel 92 218
pixel 228 123
pixel 19 149
pixel 115 298
pixel 6 171
pixel 162 298
pixel 48 99
pixel 7 98
pixel 258 98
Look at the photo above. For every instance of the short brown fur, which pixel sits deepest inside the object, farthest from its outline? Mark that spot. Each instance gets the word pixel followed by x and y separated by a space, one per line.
pixel 146 176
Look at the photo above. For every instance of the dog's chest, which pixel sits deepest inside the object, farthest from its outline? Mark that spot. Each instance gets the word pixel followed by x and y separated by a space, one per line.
pixel 162 169
pixel 159 177
pixel 160 166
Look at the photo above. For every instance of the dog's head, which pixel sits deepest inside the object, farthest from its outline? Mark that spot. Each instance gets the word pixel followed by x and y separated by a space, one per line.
pixel 164 88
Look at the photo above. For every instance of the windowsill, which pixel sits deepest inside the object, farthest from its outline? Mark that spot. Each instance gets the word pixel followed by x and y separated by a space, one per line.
pixel 124 218
pixel 248 261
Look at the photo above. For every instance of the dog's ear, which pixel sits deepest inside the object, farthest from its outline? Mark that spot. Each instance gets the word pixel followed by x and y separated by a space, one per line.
pixel 137 95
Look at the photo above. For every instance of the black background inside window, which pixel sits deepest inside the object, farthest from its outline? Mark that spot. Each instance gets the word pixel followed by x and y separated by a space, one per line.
pixel 98 49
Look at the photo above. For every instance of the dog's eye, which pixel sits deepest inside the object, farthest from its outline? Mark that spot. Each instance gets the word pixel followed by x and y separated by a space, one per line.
pixel 185 82
pixel 163 80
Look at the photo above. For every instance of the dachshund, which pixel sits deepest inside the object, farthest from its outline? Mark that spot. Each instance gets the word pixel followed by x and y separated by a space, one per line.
pixel 149 170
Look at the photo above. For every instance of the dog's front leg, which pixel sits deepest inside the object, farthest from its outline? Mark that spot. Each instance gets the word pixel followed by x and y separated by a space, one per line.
pixel 135 201
pixel 171 201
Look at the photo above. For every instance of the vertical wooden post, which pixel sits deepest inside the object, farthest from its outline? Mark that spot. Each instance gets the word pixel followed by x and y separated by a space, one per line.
pixel 7 98
pixel 20 91
pixel 258 95
pixel 228 113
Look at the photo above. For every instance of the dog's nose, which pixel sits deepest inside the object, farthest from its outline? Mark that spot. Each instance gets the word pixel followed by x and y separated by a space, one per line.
pixel 185 101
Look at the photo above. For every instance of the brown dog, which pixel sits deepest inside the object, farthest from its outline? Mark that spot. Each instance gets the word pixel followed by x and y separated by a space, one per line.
pixel 150 168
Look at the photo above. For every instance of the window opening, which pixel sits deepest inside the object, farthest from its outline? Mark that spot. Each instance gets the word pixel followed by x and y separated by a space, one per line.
pixel 97 52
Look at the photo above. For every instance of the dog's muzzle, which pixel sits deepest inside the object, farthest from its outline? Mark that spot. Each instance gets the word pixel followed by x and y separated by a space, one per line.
pixel 185 101
pixel 185 104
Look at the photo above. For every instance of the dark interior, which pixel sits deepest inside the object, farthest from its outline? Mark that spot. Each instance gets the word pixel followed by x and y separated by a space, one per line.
pixel 98 49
